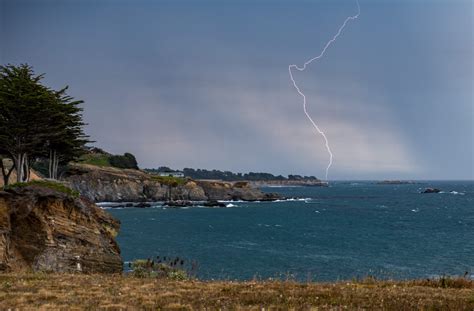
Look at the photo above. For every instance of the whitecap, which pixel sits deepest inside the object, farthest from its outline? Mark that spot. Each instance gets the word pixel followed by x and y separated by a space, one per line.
pixel 231 205
pixel 294 200
pixel 231 201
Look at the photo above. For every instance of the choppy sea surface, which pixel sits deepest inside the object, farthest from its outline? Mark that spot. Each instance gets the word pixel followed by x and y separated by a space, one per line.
pixel 345 231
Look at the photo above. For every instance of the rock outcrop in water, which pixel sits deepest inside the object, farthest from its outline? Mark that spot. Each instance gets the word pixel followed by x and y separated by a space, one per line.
pixel 108 184
pixel 431 190
pixel 42 229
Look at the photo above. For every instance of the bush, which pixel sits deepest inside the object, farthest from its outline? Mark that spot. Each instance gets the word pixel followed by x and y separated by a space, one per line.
pixel 124 161
pixel 172 269
pixel 127 160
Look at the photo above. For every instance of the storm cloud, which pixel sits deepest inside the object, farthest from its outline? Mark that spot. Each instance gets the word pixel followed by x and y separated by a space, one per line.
pixel 205 83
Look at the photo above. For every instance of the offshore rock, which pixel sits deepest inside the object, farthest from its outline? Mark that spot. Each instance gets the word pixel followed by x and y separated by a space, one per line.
pixel 178 203
pixel 213 204
pixel 431 190
pixel 46 230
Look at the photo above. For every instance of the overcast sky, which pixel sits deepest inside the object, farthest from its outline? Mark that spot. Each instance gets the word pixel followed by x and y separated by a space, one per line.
pixel 205 84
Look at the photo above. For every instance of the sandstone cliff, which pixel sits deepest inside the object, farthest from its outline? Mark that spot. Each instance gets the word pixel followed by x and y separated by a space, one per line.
pixel 110 184
pixel 42 229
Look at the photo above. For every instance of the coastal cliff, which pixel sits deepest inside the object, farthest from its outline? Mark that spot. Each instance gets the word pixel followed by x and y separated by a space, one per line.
pixel 45 229
pixel 109 184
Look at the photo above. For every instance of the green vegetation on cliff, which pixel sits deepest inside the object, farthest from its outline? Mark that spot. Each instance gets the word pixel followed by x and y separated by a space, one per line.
pixel 98 157
pixel 169 180
pixel 95 159
pixel 56 186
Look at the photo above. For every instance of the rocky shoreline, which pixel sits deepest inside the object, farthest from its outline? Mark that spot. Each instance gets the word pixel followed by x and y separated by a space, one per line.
pixel 108 184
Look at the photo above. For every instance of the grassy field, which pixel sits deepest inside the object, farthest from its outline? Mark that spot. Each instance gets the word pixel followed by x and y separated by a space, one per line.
pixel 74 291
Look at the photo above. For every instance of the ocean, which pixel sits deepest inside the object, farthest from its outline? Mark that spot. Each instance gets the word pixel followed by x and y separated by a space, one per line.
pixel 345 231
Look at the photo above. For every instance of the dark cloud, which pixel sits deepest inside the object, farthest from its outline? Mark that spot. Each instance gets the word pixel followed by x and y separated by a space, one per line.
pixel 205 84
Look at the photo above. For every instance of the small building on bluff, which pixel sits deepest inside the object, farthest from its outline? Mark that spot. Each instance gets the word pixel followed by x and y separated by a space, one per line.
pixel 171 174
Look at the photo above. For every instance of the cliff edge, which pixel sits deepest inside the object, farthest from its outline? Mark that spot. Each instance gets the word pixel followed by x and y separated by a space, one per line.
pixel 45 229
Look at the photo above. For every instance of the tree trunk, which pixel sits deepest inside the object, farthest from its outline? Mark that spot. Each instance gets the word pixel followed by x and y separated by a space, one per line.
pixel 50 164
pixel 55 165
pixel 26 168
pixel 6 173
pixel 18 160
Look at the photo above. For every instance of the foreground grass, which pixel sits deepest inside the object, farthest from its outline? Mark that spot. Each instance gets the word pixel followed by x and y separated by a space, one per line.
pixel 73 291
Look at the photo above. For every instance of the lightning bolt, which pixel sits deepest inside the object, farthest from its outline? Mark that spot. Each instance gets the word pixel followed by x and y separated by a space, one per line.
pixel 302 68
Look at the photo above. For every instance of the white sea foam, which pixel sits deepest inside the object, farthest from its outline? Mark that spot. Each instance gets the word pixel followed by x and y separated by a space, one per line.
pixel 231 205
pixel 294 200
pixel 105 203
pixel 230 201
pixel 452 192
pixel 281 186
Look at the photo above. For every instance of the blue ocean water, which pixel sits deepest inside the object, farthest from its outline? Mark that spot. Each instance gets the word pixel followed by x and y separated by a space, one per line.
pixel 347 230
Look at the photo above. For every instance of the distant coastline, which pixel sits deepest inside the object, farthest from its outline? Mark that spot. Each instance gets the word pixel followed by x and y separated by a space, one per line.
pixel 396 182
pixel 289 183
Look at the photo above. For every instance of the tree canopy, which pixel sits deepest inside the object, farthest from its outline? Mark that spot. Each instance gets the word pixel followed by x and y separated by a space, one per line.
pixel 37 122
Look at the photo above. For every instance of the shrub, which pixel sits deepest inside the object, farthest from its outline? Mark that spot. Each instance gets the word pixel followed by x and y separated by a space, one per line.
pixel 127 160
pixel 124 161
pixel 172 269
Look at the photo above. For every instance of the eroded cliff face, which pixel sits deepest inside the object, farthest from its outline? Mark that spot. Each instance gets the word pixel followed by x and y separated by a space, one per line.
pixel 45 230
pixel 108 184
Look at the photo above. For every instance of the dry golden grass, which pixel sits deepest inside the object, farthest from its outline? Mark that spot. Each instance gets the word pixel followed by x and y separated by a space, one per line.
pixel 75 291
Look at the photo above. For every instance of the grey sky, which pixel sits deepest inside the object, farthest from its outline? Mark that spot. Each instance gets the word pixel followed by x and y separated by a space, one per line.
pixel 205 83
